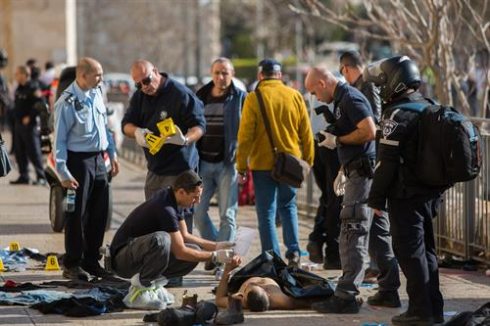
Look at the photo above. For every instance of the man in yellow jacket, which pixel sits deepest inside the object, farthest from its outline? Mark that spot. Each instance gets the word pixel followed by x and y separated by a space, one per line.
pixel 291 133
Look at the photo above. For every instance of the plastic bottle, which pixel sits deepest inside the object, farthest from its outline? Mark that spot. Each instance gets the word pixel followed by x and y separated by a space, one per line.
pixel 70 200
pixel 107 259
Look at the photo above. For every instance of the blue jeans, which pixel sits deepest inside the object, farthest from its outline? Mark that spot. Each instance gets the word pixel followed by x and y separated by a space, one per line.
pixel 272 196
pixel 224 179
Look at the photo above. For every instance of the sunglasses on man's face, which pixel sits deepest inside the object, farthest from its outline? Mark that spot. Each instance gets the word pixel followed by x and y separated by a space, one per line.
pixel 144 82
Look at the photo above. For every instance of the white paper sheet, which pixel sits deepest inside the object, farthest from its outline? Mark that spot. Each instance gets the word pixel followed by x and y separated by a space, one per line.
pixel 244 239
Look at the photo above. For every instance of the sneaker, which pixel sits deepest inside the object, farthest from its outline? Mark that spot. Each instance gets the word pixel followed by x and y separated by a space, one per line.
pixel 336 305
pixel 40 182
pixel 141 297
pixel 331 265
pixel 315 251
pixel 232 315
pixel 405 319
pixel 161 292
pixel 20 181
pixel 293 259
pixel 96 270
pixel 75 273
pixel 389 299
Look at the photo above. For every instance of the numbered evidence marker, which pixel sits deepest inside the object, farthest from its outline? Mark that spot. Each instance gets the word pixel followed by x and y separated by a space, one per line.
pixel 14 246
pixel 52 263
pixel 2 268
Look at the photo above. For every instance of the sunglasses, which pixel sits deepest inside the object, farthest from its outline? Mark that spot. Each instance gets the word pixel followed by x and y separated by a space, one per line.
pixel 144 82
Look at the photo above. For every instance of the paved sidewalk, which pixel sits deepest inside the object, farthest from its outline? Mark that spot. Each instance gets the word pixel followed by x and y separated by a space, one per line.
pixel 24 218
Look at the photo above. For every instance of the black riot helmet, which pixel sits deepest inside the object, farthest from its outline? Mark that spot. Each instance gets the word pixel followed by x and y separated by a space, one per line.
pixel 3 58
pixel 393 76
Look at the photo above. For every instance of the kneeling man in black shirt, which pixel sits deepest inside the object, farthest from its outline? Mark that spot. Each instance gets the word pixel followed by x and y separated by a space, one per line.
pixel 153 243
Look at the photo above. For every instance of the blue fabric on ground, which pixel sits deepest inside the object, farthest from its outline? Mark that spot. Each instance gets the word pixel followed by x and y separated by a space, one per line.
pixel 27 298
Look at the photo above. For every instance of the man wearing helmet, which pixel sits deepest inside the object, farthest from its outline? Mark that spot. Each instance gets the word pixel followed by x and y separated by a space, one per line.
pixel 411 204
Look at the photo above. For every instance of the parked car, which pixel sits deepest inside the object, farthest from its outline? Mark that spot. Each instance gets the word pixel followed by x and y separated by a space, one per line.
pixel 57 193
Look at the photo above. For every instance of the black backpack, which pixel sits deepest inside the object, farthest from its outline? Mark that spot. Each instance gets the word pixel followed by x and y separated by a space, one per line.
pixel 449 145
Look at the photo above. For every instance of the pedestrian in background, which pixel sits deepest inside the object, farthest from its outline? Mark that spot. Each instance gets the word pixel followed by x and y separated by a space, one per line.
pixel 291 132
pixel 223 103
pixel 27 139
pixel 81 137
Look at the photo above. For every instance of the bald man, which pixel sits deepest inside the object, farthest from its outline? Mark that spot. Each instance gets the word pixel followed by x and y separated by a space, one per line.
pixel 159 97
pixel 353 137
pixel 81 137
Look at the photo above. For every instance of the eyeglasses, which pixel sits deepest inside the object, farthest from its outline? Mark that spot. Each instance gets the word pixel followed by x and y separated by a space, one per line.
pixel 144 82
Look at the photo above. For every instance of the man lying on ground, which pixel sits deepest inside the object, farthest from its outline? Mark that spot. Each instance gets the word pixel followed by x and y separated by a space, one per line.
pixel 257 293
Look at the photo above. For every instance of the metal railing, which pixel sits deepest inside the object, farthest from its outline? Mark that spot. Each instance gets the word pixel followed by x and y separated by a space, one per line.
pixel 462 227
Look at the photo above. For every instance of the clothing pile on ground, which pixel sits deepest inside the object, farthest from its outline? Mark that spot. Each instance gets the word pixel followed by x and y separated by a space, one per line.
pixel 91 301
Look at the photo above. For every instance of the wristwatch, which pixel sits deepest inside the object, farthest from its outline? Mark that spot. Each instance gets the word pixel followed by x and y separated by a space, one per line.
pixel 186 141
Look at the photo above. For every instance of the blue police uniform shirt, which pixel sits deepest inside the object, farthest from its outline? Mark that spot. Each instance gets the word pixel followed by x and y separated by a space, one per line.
pixel 350 108
pixel 172 100
pixel 80 125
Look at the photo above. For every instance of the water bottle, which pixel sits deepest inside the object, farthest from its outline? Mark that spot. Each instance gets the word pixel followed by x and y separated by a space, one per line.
pixel 107 259
pixel 70 200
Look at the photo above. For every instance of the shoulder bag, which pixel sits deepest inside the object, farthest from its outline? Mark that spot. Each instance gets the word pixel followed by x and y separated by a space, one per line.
pixel 287 168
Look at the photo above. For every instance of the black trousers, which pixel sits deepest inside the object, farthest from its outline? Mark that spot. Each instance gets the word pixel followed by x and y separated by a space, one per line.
pixel 327 221
pixel 84 228
pixel 414 246
pixel 28 148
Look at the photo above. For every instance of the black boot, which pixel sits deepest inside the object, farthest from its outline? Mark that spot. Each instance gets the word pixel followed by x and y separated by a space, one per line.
pixel 232 315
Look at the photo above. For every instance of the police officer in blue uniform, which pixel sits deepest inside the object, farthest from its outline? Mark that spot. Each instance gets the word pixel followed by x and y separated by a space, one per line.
pixel 380 243
pixel 27 140
pixel 81 137
pixel 411 204
pixel 353 137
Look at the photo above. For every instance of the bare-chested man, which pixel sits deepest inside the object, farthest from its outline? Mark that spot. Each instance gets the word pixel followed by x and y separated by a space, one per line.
pixel 257 293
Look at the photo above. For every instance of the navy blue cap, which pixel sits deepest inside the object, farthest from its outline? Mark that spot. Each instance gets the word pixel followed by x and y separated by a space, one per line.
pixel 269 66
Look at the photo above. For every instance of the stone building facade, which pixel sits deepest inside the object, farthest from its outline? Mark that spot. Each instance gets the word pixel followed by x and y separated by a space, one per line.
pixel 180 36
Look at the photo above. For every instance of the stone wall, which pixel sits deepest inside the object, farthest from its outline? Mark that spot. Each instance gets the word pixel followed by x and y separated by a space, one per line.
pixel 165 32
pixel 116 32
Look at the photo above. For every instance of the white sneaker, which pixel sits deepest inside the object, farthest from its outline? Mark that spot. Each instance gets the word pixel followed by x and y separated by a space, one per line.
pixel 140 297
pixel 161 291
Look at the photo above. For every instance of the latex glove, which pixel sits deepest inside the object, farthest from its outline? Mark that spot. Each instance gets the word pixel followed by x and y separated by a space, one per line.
pixel 139 135
pixel 330 140
pixel 223 256
pixel 224 245
pixel 339 183
pixel 177 139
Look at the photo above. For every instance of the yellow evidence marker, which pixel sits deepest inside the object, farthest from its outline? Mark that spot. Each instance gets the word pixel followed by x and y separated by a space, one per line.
pixel 166 128
pixel 14 246
pixel 52 263
pixel 2 268
pixel 155 143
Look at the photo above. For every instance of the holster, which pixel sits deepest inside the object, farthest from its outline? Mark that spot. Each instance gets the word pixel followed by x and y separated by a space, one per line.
pixel 364 166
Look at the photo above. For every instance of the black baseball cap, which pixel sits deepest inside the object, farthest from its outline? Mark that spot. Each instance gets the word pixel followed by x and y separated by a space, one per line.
pixel 269 66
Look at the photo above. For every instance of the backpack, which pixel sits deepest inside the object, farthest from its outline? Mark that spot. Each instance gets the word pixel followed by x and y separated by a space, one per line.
pixel 449 145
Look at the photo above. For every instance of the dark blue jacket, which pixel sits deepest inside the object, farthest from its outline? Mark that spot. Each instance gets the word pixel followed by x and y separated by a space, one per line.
pixel 232 114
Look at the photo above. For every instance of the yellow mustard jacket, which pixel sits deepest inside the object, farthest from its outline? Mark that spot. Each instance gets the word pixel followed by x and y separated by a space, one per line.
pixel 290 126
